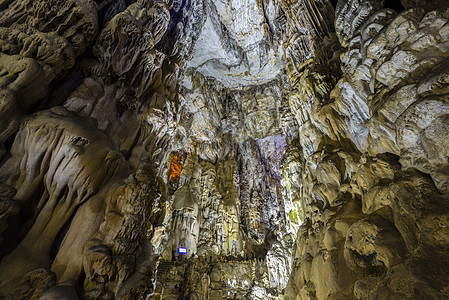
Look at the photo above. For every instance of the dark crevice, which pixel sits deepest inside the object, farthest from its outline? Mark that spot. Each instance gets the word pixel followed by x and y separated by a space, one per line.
pixel 334 3
pixel 60 237
pixel 395 5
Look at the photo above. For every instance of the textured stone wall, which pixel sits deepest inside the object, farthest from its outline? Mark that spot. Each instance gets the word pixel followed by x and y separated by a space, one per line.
pixel 371 130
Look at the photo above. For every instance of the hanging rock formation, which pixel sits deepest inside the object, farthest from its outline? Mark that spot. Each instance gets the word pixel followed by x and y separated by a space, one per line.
pixel 296 149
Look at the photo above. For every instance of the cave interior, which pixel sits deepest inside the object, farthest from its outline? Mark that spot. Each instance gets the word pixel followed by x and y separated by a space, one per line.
pixel 224 149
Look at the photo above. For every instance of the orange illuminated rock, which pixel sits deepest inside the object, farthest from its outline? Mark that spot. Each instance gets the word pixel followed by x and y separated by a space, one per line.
pixel 175 168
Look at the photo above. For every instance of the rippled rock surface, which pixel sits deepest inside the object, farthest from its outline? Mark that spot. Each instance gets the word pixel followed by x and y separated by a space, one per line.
pixel 373 192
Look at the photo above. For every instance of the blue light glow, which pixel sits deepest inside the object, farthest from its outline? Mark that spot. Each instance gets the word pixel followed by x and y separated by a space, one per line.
pixel 182 250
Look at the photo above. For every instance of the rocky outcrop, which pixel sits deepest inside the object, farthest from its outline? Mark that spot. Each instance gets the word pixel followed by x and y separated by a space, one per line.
pixel 56 164
pixel 40 42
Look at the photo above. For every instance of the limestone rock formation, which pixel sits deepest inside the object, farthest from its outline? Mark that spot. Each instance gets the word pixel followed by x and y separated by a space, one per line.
pixel 293 149
pixel 367 192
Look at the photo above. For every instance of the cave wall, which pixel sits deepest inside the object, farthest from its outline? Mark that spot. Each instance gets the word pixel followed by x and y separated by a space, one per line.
pixel 297 149
pixel 89 94
pixel 371 134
